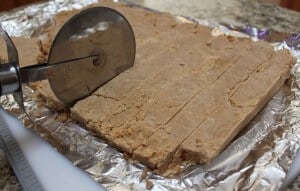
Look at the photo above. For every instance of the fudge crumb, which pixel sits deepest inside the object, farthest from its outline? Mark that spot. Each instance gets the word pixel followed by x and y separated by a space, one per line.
pixel 144 174
pixel 149 184
pixel 126 156
pixel 208 44
pixel 230 38
pixel 63 117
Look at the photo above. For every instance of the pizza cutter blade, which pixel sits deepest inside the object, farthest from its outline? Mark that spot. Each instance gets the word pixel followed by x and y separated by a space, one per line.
pixel 101 32
pixel 90 49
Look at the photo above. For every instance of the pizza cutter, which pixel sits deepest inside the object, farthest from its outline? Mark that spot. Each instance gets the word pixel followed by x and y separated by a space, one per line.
pixel 90 49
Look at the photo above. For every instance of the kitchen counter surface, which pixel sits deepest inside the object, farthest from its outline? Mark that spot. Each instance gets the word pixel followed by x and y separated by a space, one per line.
pixel 258 13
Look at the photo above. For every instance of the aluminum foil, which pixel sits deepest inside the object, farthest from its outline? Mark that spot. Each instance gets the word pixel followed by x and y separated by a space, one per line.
pixel 257 160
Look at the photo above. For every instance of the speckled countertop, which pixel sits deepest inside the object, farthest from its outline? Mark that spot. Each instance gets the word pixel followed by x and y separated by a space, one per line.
pixel 257 13
pixel 8 181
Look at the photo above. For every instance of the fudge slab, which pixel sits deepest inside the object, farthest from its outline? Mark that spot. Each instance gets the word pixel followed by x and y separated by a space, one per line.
pixel 187 95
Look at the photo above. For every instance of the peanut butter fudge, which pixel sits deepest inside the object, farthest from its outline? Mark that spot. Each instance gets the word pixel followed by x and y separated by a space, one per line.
pixel 188 93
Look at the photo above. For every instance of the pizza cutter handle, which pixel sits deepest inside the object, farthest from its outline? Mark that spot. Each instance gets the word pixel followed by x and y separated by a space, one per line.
pixel 9 73
pixel 46 71
pixel 36 72
pixel 9 80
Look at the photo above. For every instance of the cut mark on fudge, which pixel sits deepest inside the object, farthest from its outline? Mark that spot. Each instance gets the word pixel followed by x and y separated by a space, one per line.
pixel 105 96
pixel 207 116
pixel 235 88
pixel 200 90
pixel 228 68
pixel 259 69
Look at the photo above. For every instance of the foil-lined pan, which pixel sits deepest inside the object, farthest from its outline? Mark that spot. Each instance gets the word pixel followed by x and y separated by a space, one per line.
pixel 258 159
